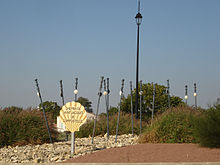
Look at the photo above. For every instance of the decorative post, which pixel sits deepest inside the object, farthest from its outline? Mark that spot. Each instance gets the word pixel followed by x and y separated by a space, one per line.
pixel 96 116
pixel 41 102
pixel 105 93
pixel 195 95
pixel 121 96
pixel 61 91
pixel 132 113
pixel 168 93
pixel 73 133
pixel 186 95
pixel 62 96
pixel 153 106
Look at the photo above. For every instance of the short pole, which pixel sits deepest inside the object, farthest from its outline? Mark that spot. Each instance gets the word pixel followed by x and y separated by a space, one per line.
pixel 186 95
pixel 132 113
pixel 153 106
pixel 168 93
pixel 195 95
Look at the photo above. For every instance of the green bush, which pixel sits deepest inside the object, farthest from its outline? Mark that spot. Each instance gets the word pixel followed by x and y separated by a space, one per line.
pixel 20 127
pixel 208 128
pixel 52 109
pixel 176 125
pixel 125 126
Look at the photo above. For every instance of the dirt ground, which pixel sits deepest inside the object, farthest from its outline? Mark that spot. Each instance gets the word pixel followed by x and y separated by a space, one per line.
pixel 143 153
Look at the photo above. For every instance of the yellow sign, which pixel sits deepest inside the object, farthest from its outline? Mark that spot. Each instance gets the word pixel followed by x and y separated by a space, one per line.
pixel 73 115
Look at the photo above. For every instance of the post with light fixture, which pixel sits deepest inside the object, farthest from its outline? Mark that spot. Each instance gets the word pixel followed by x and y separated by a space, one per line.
pixel 41 103
pixel 168 92
pixel 76 91
pixel 138 18
pixel 72 133
pixel 108 92
pixel 186 95
pixel 141 93
pixel 62 96
pixel 121 96
pixel 97 109
pixel 105 93
pixel 195 95
pixel 61 91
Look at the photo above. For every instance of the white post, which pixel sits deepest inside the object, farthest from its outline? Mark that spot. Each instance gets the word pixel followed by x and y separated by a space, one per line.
pixel 72 143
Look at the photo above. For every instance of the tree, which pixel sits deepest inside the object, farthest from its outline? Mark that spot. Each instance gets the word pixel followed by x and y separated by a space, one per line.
pixel 52 108
pixel 112 111
pixel 161 99
pixel 86 103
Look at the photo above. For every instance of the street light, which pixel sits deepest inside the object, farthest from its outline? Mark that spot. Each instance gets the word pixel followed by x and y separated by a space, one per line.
pixel 138 22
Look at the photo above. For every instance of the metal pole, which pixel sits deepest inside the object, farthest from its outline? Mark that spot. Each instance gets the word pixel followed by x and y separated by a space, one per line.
pixel 61 94
pixel 132 118
pixel 121 96
pixel 186 96
pixel 141 92
pixel 195 94
pixel 99 96
pixel 76 91
pixel 106 103
pixel 41 102
pixel 168 93
pixel 153 106
pixel 108 91
pixel 61 91
pixel 136 97
pixel 73 133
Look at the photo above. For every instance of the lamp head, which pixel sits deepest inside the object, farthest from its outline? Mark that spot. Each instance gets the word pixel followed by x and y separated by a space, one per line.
pixel 75 91
pixel 138 18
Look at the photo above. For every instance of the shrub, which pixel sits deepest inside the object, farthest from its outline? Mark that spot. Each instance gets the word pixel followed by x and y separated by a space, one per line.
pixel 125 126
pixel 176 125
pixel 20 127
pixel 208 128
pixel 52 109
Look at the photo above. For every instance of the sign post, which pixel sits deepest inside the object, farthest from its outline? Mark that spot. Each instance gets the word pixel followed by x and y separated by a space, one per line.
pixel 73 115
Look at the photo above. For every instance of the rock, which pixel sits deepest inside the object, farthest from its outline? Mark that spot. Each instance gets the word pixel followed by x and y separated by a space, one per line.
pixel 60 151
pixel 37 160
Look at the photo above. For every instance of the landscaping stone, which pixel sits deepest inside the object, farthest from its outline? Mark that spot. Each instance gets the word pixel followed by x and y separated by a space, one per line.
pixel 60 151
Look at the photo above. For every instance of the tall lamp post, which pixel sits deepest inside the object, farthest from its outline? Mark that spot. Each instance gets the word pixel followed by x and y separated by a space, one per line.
pixel 138 22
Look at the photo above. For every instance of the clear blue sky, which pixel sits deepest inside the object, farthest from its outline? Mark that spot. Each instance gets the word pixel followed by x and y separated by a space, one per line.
pixel 56 39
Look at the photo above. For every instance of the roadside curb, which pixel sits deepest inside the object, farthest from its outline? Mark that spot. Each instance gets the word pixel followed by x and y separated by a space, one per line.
pixel 151 163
